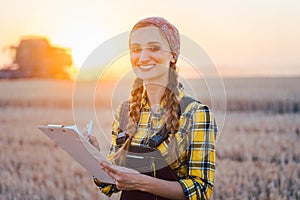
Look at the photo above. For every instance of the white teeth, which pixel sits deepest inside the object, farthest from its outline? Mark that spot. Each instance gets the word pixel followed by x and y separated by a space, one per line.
pixel 146 66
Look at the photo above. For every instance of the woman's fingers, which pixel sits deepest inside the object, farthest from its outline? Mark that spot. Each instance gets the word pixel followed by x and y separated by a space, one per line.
pixel 109 167
pixel 125 179
pixel 112 171
pixel 126 170
pixel 93 140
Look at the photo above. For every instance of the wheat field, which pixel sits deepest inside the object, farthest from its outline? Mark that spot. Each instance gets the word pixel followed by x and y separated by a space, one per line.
pixel 258 156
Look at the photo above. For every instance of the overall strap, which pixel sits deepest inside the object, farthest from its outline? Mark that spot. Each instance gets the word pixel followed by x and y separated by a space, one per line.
pixel 123 121
pixel 163 134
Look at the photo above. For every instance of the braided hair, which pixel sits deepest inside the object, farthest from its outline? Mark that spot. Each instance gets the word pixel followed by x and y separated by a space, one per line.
pixel 135 100
pixel 171 96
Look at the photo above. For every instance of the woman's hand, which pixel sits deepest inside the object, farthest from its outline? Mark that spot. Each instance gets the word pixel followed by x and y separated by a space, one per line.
pixel 129 179
pixel 125 178
pixel 92 139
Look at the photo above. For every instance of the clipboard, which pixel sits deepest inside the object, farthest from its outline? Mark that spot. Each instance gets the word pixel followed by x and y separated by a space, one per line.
pixel 79 149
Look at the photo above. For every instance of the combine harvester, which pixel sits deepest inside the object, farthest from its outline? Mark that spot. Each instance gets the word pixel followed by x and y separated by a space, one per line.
pixel 34 57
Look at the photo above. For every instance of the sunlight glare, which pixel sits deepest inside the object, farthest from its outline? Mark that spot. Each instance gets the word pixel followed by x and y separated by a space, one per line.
pixel 81 42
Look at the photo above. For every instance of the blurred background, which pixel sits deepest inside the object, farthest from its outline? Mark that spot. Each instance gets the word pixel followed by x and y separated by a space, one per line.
pixel 253 47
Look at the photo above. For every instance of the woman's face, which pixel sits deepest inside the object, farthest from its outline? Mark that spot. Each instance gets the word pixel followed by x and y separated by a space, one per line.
pixel 150 55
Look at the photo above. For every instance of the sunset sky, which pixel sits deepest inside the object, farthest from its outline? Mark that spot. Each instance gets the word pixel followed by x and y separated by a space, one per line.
pixel 248 37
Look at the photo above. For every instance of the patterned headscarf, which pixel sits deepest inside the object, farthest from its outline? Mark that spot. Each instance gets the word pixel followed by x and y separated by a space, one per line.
pixel 168 29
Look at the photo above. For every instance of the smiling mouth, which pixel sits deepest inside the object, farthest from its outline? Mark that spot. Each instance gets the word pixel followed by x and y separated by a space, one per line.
pixel 146 67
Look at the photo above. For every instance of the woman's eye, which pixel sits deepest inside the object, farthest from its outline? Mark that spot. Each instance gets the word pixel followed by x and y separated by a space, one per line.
pixel 139 49
pixel 154 48
pixel 136 50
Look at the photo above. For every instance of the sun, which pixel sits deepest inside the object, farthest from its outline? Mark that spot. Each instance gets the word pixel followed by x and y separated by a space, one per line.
pixel 81 42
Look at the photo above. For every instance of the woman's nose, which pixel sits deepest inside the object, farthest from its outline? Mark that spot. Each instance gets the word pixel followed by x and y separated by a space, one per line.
pixel 144 55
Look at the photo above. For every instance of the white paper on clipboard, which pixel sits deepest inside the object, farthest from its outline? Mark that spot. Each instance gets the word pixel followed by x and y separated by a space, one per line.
pixel 80 149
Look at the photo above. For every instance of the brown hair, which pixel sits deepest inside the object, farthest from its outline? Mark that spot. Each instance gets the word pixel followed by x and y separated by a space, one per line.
pixel 133 119
pixel 172 107
pixel 170 96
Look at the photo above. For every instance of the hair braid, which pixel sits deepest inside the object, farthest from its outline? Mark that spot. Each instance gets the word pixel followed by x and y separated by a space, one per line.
pixel 133 119
pixel 172 106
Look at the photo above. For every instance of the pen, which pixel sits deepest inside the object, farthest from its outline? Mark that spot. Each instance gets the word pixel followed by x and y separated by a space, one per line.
pixel 89 129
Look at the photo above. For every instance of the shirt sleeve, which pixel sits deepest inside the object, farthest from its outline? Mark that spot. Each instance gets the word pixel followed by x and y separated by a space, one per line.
pixel 201 155
pixel 115 130
pixel 109 189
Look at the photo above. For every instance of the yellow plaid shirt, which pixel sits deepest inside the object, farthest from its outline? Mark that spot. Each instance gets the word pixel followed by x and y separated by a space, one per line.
pixel 196 142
